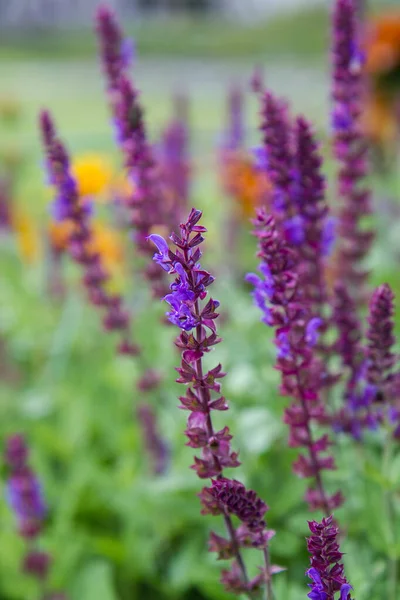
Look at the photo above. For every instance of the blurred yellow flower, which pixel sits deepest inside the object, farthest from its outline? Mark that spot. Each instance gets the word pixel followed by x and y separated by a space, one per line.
pixel 108 244
pixel 122 187
pixel 93 174
pixel 27 236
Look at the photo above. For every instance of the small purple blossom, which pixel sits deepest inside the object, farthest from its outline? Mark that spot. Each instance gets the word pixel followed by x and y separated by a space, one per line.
pixel 312 332
pixel 25 496
pixel 260 157
pixel 328 238
pixel 326 571
pixel 162 257
pixel 294 230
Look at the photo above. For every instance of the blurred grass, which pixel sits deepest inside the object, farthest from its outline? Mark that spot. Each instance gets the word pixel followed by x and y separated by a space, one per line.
pixel 301 33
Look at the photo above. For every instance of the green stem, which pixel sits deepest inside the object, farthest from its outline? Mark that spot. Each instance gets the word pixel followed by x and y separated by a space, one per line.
pixel 388 499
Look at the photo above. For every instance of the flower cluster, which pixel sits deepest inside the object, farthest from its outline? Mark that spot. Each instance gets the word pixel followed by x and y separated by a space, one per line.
pixel 275 128
pixel 278 294
pixel 350 150
pixel 197 321
pixel 68 207
pixel 326 570
pixel 25 497
pixel 175 164
pixel 317 231
pixel 155 445
pixel 116 52
pixel 380 357
pixel 372 387
pixel 147 203
pixel 293 164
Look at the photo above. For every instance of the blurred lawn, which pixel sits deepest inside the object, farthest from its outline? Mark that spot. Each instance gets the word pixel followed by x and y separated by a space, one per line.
pixel 183 37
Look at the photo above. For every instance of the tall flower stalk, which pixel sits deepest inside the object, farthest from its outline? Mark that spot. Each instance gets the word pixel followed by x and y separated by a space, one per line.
pixel 197 321
pixel 149 208
pixel 279 295
pixel 25 496
pixel 351 151
pixel 67 206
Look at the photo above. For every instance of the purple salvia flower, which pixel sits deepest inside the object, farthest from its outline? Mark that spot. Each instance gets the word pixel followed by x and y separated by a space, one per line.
pixel 348 347
pixel 156 446
pixel 326 571
pixel 328 237
pixel 5 205
pixel 196 318
pixel 25 497
pixel 235 133
pixel 149 209
pixel 296 332
pixel 94 274
pixel 275 128
pixel 257 80
pixel 260 157
pixel 350 150
pixel 16 451
pixel 312 209
pixel 380 356
pixel 116 53
pixel 36 563
pixel 175 164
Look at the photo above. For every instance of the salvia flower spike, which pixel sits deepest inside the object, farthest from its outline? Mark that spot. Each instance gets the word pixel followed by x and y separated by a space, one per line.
pixel 25 496
pixel 350 150
pixel 149 209
pixel 326 570
pixel 279 296
pixel 67 206
pixel 276 131
pixel 196 318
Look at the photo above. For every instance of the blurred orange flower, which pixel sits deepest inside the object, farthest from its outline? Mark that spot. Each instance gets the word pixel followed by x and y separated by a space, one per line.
pixel 93 173
pixel 242 180
pixel 382 45
pixel 59 233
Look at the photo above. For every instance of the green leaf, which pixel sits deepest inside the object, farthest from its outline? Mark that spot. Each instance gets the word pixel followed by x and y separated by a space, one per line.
pixel 94 582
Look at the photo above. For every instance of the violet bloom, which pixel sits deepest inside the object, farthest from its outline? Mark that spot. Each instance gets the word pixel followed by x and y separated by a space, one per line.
pixel 70 208
pixel 348 346
pixel 381 339
pixel 350 150
pixel 156 446
pixel 148 206
pixel 175 165
pixel 380 358
pixel 308 193
pixel 5 205
pixel 116 52
pixel 196 318
pixel 234 135
pixel 288 311
pixel 326 570
pixel 276 131
pixel 25 497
